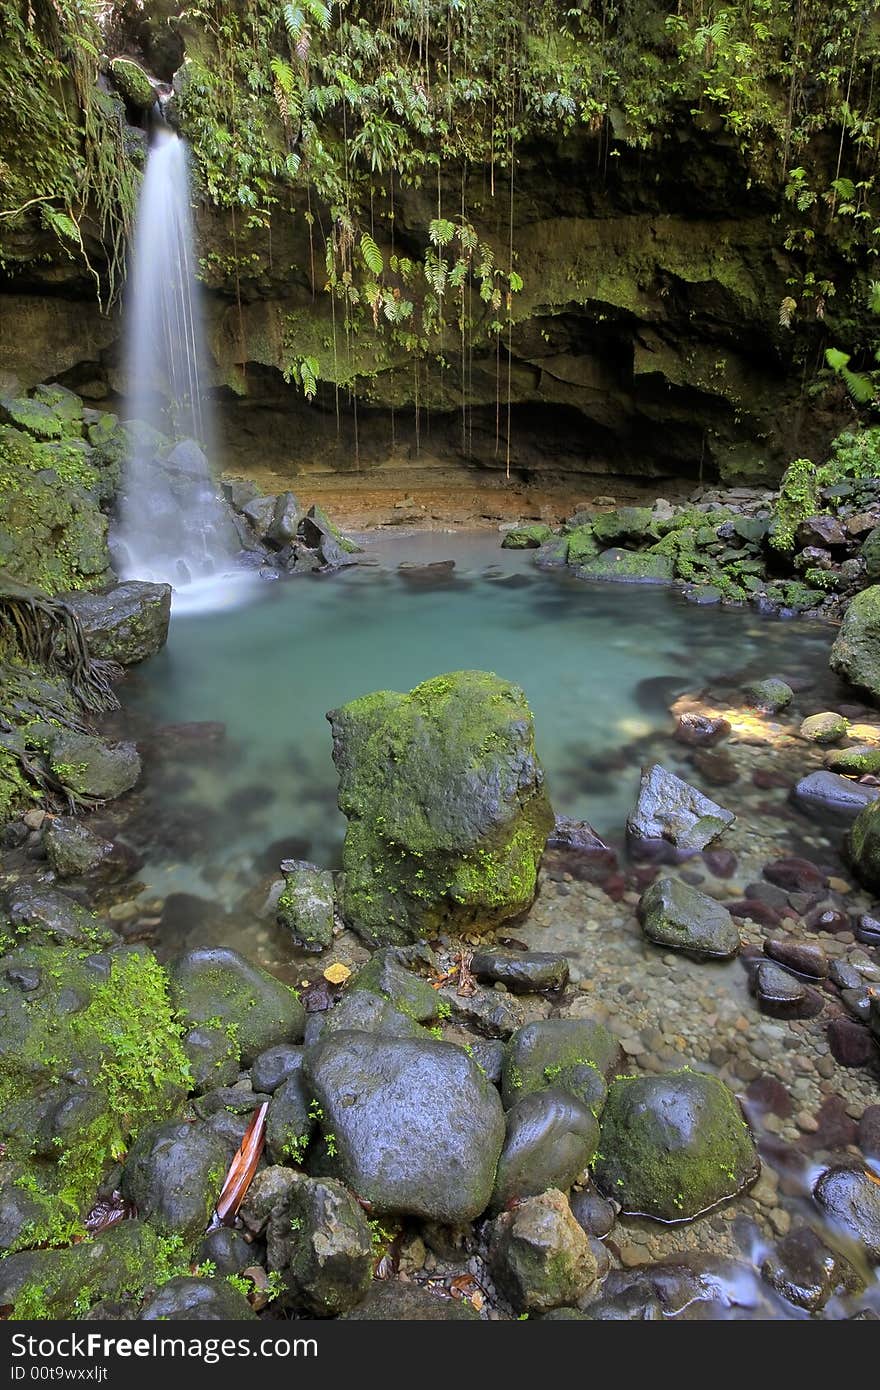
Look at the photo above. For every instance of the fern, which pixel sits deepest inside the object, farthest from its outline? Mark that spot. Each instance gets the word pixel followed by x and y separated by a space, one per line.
pixel 860 386
pixel 372 255
pixel 440 231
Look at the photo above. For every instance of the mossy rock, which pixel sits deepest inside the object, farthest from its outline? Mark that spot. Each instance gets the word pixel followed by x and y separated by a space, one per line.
pixel 384 975
pixel 173 1174
pixel 526 537
pixel 628 567
pixel 856 652
pixel 675 915
pixel 770 695
pixel 320 1241
pixel 539 1256
pixel 870 553
pixel 90 1052
pixel 551 1139
pixel 128 624
pixel 827 727
pixel 582 545
pixel 857 761
pixel 673 1146
pixel 622 524
pixel 576 1054
pixel 864 846
pixel 306 906
pixel 66 405
pixel 216 985
pixel 118 1264
pixel 189 1298
pixel 34 416
pixel 93 769
pixel 133 83
pixel 447 814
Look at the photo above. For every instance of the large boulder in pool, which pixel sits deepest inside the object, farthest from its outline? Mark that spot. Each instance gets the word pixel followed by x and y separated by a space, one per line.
pixel 127 624
pixel 416 1126
pixel 856 652
pixel 673 1146
pixel 864 846
pixel 447 814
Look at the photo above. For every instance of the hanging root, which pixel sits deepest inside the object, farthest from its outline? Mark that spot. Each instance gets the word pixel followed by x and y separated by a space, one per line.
pixel 47 633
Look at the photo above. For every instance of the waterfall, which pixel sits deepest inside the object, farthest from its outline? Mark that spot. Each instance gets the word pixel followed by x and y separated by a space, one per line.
pixel 172 526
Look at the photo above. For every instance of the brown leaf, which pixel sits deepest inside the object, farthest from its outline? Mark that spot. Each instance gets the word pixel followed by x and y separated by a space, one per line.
pixel 466 982
pixel 242 1168
pixel 108 1213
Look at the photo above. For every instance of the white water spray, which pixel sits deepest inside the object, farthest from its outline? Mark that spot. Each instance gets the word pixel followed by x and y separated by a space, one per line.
pixel 172 526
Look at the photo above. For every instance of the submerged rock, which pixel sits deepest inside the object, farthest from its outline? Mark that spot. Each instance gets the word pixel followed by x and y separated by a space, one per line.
pixel 539 1256
pixel 416 1126
pixel 856 652
pixel 216 983
pixel 804 1270
pixel 524 972
pixel 673 1146
pixel 670 809
pixel 127 624
pixel 689 1287
pixel 319 1240
pixel 674 914
pixel 447 814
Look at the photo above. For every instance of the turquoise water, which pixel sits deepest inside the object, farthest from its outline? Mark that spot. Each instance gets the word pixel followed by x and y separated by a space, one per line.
pixel 599 664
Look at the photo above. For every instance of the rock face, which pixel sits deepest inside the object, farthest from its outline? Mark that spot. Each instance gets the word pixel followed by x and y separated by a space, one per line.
pixel 539 1255
pixel 673 1146
pixel 213 982
pixel 856 651
pixel 674 914
pixel 416 1126
pixel 447 815
pixel 670 809
pixel 126 625
pixel 320 1241
pixel 864 846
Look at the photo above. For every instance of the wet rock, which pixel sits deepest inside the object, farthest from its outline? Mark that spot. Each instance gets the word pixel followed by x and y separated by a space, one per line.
pixel 824 918
pixel 384 975
pixel 869 1132
pixel 289 1121
pixel 622 524
pixel 486 1011
pixel 188 1299
pixel 822 531
pixel 319 1240
pixel 824 728
pixel 868 930
pixel 850 1043
pixel 673 1146
pixel 275 1065
pixel 74 851
pixel 676 915
pixel 362 1011
pixel 701 730
pixel 670 809
pixel 227 1250
pixel 282 528
pixel 591 1211
pixel 691 1287
pixel 390 1301
pixel 45 917
pixel 803 956
pixel 50 1284
pixel 260 512
pixel 770 695
pixel 526 537
pixel 552 554
pixel 718 769
pixel 864 846
pixel 844 975
pixel 722 863
pixel 870 552
pixel 539 1256
pixel 525 972
pixel 857 1002
pixel 627 567
pixel 445 1117
pixel 576 1054
pixel 91 768
pixel 488 1053
pixel 267 1191
pixel 551 1139
pixel 782 995
pixel 214 982
pixel 444 793
pixel 577 836
pixel 213 1057
pixel 305 907
pixel 851 1199
pixel 856 761
pixel 827 794
pixel 856 652
pixel 795 875
pixel 173 1174
pixel 126 625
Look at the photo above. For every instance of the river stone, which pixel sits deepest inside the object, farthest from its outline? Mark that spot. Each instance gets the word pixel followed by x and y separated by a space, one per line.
pixel 673 1146
pixel 526 537
pixel 390 1301
pixel 592 1212
pixel 827 794
pixel 173 1174
pixel 670 809
pixel 46 917
pixel 189 1299
pixel 824 728
pixel 773 985
pixel 770 695
pixel 851 1199
pixel 306 905
pixel 870 553
pixel 384 975
pixel 268 1190
pixel 675 915
pixel 75 851
pixel 856 652
pixel 488 1053
pixel 362 1011
pixel 864 846
pixel 687 1287
pixel 275 1065
pixel 320 1241
pixel 491 1012
pixel 804 1270
pixel 539 1256
pixel 289 1123
pixel 63 1283
pixel 417 1127
pixel 92 768
pixel 806 957
pixel 227 1250
pixel 127 624
pixel 551 1139
pixel 524 972
pixel 857 760
pixel 214 982
pixel 260 512
pixel 576 1054
pixel 447 814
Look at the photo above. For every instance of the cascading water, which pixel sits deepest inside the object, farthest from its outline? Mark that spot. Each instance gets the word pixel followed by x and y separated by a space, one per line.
pixel 172 525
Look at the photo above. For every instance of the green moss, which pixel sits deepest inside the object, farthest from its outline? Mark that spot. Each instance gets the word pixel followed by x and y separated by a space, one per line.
pixel 582 545
pixel 526 537
pixel 798 498
pixel 133 83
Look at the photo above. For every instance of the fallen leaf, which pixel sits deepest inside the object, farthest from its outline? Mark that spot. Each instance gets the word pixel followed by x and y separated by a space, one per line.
pixel 242 1168
pixel 337 973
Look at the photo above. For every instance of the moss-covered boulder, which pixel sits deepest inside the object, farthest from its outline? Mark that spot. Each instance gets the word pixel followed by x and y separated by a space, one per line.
pixel 823 728
pixel 625 566
pixel 93 769
pixel 870 553
pixel 855 761
pixel 864 846
pixel 306 905
pixel 133 83
pixel 120 1264
pixel 575 1054
pixel 673 1146
pixel 526 537
pixel 622 524
pixel 89 1053
pixel 447 814
pixel 856 653
pixel 127 624
pixel 216 985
